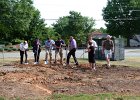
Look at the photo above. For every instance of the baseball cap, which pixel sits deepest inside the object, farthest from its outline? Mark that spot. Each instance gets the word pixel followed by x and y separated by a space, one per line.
pixel 108 36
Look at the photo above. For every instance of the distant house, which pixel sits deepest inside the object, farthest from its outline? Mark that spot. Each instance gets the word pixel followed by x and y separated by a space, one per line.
pixel 98 35
pixel 137 37
pixel 135 41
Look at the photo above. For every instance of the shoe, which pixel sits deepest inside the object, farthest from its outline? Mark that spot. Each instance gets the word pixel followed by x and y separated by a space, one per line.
pixel 64 65
pixel 46 62
pixel 93 69
pixel 36 62
pixel 26 63
pixel 77 64
pixel 108 66
pixel 21 63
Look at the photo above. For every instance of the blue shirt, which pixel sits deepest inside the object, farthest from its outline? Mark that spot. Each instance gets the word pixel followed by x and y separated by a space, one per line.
pixel 49 44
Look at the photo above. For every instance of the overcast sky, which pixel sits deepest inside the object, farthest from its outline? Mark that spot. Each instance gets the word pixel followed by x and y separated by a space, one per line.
pixel 53 9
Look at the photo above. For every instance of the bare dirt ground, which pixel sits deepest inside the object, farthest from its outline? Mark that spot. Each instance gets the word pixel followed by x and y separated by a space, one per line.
pixel 39 81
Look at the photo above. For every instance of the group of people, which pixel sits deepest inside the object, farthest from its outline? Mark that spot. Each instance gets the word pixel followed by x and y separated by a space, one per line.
pixel 107 50
pixel 50 44
pixel 59 44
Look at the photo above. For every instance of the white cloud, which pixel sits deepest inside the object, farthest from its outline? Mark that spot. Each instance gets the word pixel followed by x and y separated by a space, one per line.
pixel 53 9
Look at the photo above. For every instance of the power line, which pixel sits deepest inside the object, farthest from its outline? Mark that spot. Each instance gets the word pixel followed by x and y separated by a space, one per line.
pixel 56 19
pixel 134 18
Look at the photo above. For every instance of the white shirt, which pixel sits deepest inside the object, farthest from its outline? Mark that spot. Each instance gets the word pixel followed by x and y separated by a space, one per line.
pixel 23 46
pixel 26 46
pixel 93 44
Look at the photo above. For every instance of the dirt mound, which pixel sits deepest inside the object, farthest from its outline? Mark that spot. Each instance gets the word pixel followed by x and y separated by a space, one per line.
pixel 39 81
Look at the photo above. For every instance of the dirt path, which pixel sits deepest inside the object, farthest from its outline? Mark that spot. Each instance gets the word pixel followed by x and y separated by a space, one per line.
pixel 40 81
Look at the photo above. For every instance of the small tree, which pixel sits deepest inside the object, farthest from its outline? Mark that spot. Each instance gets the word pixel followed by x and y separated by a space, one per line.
pixel 76 25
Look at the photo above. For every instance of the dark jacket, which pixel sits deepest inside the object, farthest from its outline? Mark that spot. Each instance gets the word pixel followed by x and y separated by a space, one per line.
pixel 36 46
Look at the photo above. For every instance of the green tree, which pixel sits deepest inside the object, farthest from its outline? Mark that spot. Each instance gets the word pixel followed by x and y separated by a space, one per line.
pixel 20 20
pixel 102 30
pixel 76 25
pixel 22 14
pixel 49 33
pixel 36 27
pixel 135 3
pixel 5 25
pixel 119 20
pixel 15 17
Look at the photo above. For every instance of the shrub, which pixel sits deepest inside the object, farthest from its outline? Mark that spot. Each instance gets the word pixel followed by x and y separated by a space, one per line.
pixel 4 42
pixel 1 49
pixel 17 41
pixel 8 49
pixel 14 49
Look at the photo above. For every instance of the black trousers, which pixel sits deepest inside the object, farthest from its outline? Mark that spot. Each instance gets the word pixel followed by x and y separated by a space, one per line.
pixel 36 56
pixel 26 56
pixel 72 52
pixel 22 56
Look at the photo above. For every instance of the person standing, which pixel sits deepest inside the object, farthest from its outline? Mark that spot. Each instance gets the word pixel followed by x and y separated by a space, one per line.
pixel 49 44
pixel 72 50
pixel 91 55
pixel 59 49
pixel 36 50
pixel 94 44
pixel 108 49
pixel 26 49
pixel 23 49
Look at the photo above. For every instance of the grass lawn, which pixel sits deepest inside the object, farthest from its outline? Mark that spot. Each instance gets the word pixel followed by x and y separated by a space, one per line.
pixel 106 96
pixel 129 61
pixel 92 97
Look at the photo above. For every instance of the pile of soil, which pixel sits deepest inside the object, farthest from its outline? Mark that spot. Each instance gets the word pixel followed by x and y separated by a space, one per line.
pixel 39 81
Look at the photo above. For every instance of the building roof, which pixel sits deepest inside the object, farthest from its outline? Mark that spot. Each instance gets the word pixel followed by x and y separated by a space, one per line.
pixel 137 37
pixel 98 35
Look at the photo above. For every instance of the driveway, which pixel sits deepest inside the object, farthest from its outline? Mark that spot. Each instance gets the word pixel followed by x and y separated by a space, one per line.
pixel 79 54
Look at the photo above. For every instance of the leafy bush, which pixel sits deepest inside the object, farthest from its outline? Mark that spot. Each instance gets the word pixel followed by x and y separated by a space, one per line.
pixel 8 49
pixel 30 48
pixel 4 42
pixel 1 49
pixel 14 49
pixel 17 41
